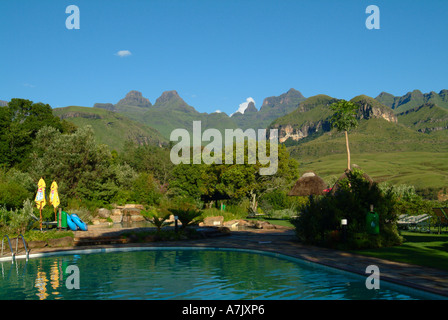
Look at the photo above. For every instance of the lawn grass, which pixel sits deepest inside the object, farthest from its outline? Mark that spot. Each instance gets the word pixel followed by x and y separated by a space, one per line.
pixel 429 250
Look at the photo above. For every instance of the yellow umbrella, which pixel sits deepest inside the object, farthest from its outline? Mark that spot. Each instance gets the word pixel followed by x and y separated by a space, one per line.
pixel 40 198
pixel 54 197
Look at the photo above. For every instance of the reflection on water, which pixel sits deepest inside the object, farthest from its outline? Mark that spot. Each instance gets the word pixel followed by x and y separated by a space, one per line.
pixel 184 274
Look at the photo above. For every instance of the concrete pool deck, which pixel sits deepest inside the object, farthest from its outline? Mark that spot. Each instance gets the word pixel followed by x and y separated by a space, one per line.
pixel 283 241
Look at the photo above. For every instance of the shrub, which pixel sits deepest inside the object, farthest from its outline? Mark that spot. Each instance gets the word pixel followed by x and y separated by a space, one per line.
pixel 18 220
pixel 145 190
pixel 157 217
pixel 12 194
pixel 186 214
pixel 322 216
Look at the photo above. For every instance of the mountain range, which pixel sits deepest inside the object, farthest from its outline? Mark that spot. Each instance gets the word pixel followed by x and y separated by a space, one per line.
pixel 410 124
pixel 299 119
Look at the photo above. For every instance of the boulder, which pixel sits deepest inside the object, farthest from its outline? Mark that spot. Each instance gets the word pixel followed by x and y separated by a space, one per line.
pixel 98 221
pixel 131 211
pixel 232 224
pixel 264 225
pixel 214 221
pixel 246 223
pixel 116 218
pixel 134 206
pixel 104 213
pixel 36 244
pixel 137 218
pixel 61 242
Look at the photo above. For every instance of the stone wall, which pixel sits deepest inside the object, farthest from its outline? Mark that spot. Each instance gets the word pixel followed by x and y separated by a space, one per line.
pixel 126 213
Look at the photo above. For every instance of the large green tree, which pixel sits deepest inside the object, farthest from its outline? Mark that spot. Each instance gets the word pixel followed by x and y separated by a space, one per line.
pixel 236 181
pixel 20 121
pixel 81 167
pixel 344 119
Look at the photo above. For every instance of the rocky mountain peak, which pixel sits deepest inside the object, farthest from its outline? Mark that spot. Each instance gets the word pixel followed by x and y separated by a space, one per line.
pixel 289 99
pixel 167 96
pixel 135 98
pixel 250 108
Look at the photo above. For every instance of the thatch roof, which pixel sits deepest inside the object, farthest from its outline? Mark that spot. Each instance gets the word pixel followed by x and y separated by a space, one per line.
pixel 309 184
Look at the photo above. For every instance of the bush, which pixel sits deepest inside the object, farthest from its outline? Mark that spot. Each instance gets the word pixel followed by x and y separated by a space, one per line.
pixel 12 194
pixel 186 214
pixel 157 217
pixel 321 218
pixel 18 220
pixel 145 190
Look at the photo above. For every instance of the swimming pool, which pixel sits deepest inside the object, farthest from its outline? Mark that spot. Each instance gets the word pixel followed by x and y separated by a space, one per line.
pixel 186 273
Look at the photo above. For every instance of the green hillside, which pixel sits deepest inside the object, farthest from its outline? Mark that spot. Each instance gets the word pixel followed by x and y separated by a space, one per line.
pixel 413 99
pixel 111 128
pixel 427 118
pixel 420 169
pixel 373 135
pixel 312 109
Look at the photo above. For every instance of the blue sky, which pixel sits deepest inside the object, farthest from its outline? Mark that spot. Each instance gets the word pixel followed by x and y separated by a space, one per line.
pixel 217 53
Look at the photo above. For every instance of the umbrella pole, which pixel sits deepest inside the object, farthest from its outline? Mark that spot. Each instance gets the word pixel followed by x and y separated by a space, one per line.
pixel 40 213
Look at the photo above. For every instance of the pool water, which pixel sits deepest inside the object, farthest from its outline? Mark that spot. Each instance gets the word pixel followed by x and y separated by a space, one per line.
pixel 185 274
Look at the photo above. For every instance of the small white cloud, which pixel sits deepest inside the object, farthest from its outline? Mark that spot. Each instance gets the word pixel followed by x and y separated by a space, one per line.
pixel 218 111
pixel 29 85
pixel 123 53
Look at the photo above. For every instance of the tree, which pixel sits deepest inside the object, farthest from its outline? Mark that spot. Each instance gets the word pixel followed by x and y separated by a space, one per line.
pixel 81 167
pixel 236 181
pixel 344 119
pixel 20 121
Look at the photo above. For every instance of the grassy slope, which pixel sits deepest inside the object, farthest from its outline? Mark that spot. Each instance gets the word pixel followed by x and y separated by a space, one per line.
pixel 110 128
pixel 386 151
pixel 425 117
pixel 421 169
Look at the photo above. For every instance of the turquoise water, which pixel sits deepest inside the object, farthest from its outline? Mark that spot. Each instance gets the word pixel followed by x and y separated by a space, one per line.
pixel 185 274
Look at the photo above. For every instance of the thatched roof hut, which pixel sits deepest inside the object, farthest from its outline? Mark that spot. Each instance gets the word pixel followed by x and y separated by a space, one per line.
pixel 309 184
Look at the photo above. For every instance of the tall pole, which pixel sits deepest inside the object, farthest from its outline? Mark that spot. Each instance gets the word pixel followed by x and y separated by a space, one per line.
pixel 40 213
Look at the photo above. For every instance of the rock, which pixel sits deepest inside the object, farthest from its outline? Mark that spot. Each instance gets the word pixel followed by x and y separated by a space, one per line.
pixel 104 213
pixel 224 230
pixel 116 218
pixel 246 223
pixel 61 242
pixel 131 211
pixel 116 212
pixel 232 224
pixel 97 221
pixel 134 206
pixel 137 218
pixel 214 221
pixel 135 98
pixel 264 225
pixel 36 244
